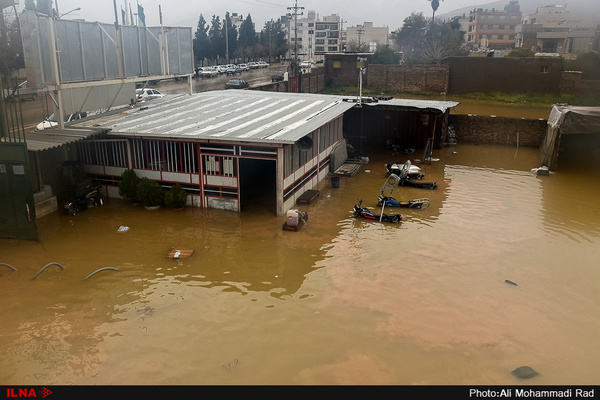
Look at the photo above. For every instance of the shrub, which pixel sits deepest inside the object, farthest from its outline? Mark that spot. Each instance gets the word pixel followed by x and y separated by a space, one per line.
pixel 176 197
pixel 150 193
pixel 128 185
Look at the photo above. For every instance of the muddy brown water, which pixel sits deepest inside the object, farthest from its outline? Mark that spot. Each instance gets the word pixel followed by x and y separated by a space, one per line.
pixel 341 301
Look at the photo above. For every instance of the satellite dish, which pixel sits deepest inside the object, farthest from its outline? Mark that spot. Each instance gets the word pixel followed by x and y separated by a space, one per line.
pixel 305 143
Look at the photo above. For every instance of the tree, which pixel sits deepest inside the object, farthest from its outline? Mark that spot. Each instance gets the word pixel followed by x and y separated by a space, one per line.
pixel 386 55
pixel 521 52
pixel 412 30
pixel 202 45
pixel 247 39
pixel 434 4
pixel 217 38
pixel 272 40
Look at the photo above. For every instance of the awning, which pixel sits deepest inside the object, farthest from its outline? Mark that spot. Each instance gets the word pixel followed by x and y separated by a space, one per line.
pixel 51 138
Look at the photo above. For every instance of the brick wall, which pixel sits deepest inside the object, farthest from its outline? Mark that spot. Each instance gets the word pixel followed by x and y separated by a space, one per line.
pixel 404 78
pixel 483 129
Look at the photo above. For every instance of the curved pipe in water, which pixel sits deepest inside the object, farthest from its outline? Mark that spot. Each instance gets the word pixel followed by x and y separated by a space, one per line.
pixel 46 266
pixel 9 266
pixel 98 270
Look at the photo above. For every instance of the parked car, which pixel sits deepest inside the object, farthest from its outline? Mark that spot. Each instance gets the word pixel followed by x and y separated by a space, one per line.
pixel 306 64
pixel 52 122
pixel 263 64
pixel 278 76
pixel 148 94
pixel 236 84
pixel 234 69
pixel 244 67
pixel 209 72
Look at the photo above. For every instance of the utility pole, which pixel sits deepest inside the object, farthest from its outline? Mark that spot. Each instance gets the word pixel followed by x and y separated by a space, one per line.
pixel 359 32
pixel 295 14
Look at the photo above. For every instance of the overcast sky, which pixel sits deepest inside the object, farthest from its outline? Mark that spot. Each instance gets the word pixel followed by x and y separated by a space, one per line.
pixel 185 13
pixel 389 13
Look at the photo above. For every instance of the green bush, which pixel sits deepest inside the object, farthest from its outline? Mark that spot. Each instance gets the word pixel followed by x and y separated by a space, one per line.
pixel 128 185
pixel 150 193
pixel 176 197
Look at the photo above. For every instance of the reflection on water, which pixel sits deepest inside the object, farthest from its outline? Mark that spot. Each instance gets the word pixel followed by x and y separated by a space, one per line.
pixel 340 301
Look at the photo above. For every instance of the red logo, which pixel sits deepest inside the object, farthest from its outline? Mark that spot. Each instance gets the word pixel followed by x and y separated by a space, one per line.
pixel 27 392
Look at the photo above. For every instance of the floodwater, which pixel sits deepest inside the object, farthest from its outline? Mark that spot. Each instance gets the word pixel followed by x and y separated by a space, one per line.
pixel 341 301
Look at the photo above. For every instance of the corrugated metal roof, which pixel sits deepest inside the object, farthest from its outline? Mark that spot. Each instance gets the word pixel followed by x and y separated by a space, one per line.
pixel 51 138
pixel 236 115
pixel 442 106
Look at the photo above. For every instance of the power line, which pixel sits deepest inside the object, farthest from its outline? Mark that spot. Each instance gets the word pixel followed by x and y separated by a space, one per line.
pixel 295 14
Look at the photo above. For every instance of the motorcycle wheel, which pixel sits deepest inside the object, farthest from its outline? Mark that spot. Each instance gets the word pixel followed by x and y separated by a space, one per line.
pixel 73 210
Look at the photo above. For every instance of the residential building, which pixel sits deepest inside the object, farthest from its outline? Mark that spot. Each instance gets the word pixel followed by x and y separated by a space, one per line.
pixel 494 29
pixel 310 37
pixel 553 29
pixel 373 36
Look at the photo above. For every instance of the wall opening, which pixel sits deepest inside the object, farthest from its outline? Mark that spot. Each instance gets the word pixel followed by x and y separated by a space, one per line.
pixel 258 183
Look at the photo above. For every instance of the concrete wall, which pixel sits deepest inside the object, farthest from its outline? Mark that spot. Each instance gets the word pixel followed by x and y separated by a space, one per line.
pixel 483 129
pixel 405 78
pixel 508 75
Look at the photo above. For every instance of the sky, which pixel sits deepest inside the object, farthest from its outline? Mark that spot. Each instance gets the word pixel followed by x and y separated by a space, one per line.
pixel 389 13
pixel 185 13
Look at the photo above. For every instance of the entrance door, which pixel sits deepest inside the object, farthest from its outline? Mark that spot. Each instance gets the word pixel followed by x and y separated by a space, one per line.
pixel 17 209
pixel 258 183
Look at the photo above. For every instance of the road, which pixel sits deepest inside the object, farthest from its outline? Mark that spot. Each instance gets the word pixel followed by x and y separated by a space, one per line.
pixel 35 111
pixel 254 77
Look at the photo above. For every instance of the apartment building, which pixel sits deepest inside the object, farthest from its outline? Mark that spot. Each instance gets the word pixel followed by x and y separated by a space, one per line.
pixel 311 37
pixel 553 29
pixel 372 36
pixel 494 29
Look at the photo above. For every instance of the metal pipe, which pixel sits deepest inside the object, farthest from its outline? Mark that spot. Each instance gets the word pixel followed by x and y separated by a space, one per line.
pixel 98 270
pixel 46 266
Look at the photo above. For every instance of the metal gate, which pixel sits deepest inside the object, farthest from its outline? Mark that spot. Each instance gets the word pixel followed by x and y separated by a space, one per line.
pixel 17 208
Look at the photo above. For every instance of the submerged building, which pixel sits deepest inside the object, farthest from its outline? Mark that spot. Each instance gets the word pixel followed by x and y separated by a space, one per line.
pixel 223 147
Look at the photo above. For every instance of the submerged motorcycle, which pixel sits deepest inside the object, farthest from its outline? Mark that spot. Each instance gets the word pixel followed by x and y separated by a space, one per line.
pixel 368 214
pixel 392 202
pixel 407 173
pixel 90 198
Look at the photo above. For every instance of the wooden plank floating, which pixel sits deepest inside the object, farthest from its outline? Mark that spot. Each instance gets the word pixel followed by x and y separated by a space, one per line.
pixel 347 169
pixel 307 196
pixel 179 253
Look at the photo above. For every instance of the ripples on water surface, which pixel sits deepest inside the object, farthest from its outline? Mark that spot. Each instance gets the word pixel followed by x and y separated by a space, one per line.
pixel 342 301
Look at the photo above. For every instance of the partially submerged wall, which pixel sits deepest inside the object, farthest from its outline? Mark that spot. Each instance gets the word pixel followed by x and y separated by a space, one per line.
pixel 485 129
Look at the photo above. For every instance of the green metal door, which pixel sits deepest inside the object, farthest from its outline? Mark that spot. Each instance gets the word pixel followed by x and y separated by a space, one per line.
pixel 17 209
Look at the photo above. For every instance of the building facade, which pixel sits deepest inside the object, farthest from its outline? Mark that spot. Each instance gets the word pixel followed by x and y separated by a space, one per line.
pixel 228 149
pixel 552 29
pixel 494 29
pixel 372 36
pixel 310 37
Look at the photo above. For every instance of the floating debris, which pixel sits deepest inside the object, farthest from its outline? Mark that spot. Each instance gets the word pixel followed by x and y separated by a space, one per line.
pixel 525 372
pixel 510 282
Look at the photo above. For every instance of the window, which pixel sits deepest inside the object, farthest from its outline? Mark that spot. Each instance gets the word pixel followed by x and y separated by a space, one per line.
pixel 544 69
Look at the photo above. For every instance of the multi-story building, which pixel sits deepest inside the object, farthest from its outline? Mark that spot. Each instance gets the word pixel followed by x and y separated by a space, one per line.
pixel 494 29
pixel 309 37
pixel 372 36
pixel 552 29
pixel 328 38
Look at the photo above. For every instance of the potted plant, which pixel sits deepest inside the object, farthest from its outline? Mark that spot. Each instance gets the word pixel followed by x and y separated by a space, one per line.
pixel 176 197
pixel 128 185
pixel 150 193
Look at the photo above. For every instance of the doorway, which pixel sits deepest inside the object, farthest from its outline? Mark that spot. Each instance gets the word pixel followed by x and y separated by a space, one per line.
pixel 258 183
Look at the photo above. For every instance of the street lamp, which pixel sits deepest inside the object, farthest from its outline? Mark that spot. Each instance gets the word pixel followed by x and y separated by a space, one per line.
pixel 68 12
